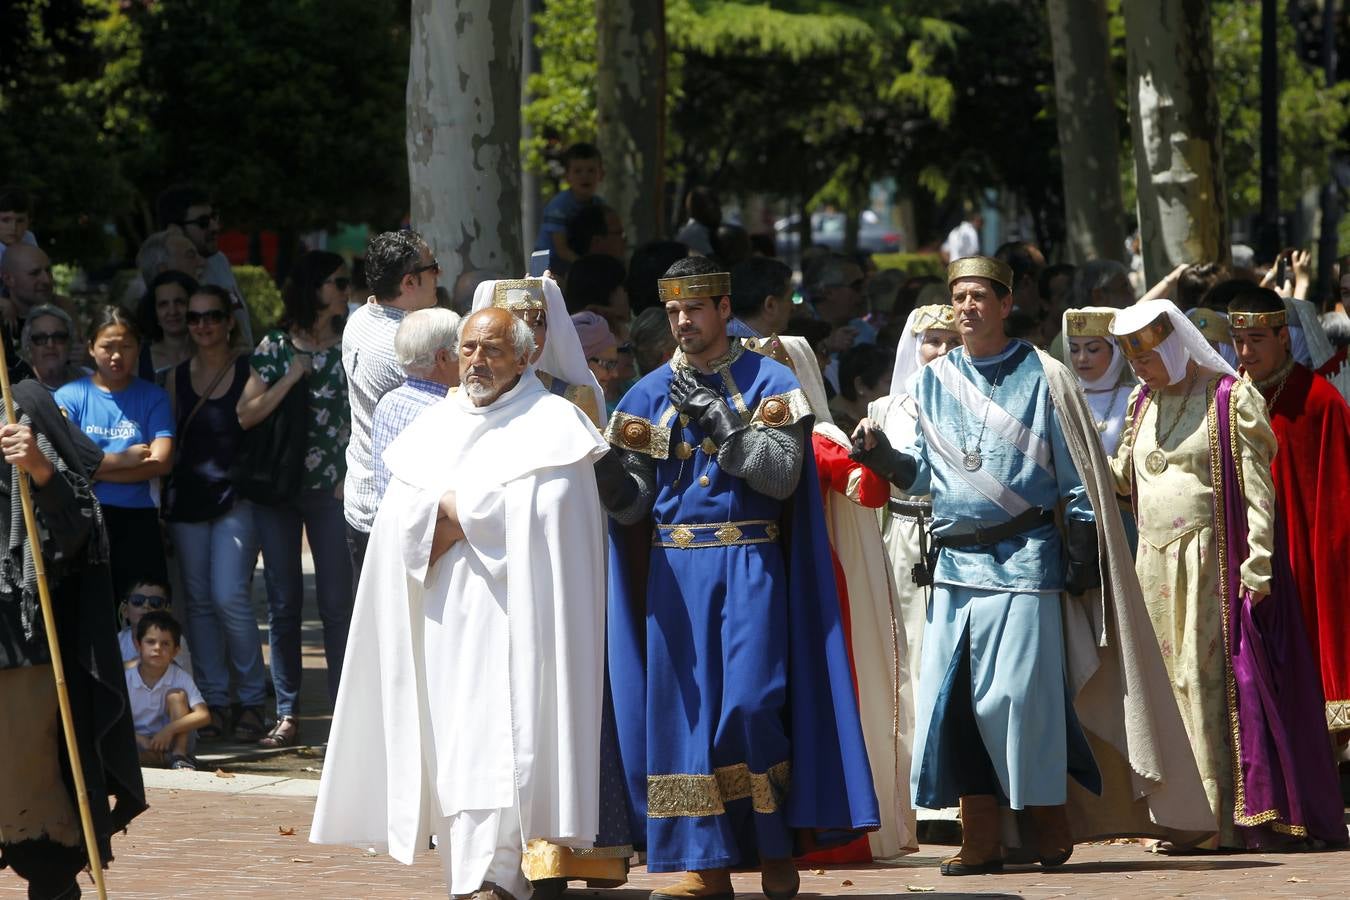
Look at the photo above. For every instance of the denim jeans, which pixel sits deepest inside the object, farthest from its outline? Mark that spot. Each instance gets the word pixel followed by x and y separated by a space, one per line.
pixel 215 560
pixel 320 513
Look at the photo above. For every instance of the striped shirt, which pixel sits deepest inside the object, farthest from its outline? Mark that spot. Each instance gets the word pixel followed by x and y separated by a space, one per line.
pixel 372 371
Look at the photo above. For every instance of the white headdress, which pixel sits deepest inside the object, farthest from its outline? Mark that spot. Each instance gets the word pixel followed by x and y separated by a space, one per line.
pixel 1159 325
pixel 1093 322
pixel 921 319
pixel 562 357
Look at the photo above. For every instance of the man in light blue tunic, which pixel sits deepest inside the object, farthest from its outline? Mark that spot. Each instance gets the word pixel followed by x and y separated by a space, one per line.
pixel 996 725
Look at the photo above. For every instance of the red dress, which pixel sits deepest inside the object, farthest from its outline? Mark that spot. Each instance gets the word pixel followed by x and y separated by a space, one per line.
pixel 861 485
pixel 1312 489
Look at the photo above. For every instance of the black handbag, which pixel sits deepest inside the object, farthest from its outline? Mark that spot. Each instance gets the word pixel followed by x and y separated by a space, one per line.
pixel 270 465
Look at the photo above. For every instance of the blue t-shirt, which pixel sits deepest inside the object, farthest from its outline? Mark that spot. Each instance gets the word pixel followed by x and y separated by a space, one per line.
pixel 137 414
pixel 553 220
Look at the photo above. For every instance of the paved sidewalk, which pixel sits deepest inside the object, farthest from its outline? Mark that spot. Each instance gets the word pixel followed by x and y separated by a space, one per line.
pixel 240 840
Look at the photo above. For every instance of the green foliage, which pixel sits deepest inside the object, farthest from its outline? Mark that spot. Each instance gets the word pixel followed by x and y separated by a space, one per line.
pixel 912 264
pixel 261 294
pixel 561 109
pixel 1312 117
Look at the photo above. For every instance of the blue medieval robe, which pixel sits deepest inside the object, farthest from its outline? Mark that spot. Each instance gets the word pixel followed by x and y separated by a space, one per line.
pixel 994 714
pixel 737 720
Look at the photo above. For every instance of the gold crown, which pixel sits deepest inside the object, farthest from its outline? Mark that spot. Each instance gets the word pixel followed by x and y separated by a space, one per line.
pixel 692 287
pixel 1237 319
pixel 519 294
pixel 772 347
pixel 1083 324
pixel 995 270
pixel 1211 323
pixel 936 315
pixel 1137 343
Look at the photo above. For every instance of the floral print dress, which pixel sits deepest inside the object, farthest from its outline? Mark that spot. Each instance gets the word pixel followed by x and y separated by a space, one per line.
pixel 329 426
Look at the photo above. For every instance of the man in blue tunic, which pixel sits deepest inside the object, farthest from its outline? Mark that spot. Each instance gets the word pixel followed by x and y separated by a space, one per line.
pixel 737 720
pixel 992 452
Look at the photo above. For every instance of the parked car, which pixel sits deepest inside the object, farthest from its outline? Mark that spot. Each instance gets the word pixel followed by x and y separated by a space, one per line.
pixel 827 229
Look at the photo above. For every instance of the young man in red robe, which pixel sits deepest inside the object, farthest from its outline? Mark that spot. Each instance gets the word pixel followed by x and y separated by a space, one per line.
pixel 1312 484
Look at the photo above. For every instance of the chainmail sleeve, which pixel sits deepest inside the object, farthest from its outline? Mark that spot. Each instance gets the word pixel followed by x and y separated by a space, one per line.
pixel 769 459
pixel 641 468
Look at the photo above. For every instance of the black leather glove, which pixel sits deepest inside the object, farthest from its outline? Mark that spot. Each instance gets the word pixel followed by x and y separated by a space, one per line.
pixel 885 460
pixel 700 403
pixel 1084 570
pixel 618 490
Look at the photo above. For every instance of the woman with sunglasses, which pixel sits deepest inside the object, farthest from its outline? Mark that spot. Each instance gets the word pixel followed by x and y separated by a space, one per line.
pixel 161 316
pixel 305 353
pixel 46 341
pixel 129 419
pixel 211 526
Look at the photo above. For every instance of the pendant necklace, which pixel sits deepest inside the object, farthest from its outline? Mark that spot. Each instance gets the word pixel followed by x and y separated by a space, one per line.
pixel 1111 404
pixel 1274 398
pixel 1156 461
pixel 971 460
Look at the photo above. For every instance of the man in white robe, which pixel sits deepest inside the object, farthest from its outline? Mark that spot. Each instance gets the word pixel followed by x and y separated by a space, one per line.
pixel 470 705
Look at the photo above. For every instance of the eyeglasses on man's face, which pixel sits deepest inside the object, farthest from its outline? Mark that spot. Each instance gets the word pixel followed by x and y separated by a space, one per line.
pixel 202 221
pixel 340 282
pixel 433 267
pixel 609 365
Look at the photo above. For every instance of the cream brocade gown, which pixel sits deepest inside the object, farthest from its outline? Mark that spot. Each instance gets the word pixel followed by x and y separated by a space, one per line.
pixel 1178 561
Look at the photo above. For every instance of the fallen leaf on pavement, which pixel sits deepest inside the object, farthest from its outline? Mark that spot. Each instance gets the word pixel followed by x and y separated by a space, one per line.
pixel 847 883
pixel 817 871
pixel 1294 879
pixel 299 859
pixel 221 773
pixel 286 830
pixel 919 889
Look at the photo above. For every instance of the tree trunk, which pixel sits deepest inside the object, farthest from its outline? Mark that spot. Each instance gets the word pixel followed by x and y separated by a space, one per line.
pixel 1085 112
pixel 630 104
pixel 529 180
pixel 1174 119
pixel 464 134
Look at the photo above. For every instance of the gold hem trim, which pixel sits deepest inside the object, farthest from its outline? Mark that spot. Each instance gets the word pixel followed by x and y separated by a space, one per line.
pixel 672 796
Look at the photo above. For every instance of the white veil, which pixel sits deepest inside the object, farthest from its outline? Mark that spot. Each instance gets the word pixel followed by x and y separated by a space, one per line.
pixel 1111 376
pixel 562 357
pixel 1308 340
pixel 1183 344
pixel 921 318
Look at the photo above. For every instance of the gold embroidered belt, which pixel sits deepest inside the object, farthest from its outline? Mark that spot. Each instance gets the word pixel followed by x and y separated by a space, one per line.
pixel 716 534
pixel 669 796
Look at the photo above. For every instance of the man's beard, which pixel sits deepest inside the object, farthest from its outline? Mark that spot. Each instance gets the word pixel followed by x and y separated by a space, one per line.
pixel 480 387
pixel 693 342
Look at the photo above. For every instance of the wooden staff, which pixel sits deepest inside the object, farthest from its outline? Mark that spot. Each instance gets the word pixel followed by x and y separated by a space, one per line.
pixel 58 668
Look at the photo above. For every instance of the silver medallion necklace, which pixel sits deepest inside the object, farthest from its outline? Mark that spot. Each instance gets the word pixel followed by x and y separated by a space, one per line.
pixel 971 460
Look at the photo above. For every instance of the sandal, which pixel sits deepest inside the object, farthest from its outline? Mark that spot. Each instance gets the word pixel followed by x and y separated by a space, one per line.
pixel 283 734
pixel 214 730
pixel 249 727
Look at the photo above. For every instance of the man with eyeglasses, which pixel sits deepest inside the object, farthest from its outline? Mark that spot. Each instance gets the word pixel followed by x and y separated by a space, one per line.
pixel 187 209
pixel 402 274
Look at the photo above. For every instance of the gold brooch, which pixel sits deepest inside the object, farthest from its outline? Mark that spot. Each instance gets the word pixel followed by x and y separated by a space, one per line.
pixel 636 434
pixel 775 412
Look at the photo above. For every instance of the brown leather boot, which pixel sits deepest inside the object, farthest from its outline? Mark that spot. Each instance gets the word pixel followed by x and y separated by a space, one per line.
pixel 779 879
pixel 1054 843
pixel 708 884
pixel 981 849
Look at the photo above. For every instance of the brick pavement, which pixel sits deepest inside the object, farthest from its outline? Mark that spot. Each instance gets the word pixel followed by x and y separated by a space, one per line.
pixel 193 844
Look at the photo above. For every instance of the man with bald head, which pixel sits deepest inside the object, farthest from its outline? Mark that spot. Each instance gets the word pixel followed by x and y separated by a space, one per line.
pixel 26 272
pixel 485 567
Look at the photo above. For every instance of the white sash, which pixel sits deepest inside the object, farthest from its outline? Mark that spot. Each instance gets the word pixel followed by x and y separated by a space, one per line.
pixel 980 479
pixel 999 419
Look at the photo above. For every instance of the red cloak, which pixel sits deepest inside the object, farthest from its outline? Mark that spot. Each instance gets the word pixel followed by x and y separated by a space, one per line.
pixel 1312 488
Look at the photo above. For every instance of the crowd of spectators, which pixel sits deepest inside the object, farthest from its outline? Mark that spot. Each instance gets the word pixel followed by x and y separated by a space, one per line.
pixel 219 448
